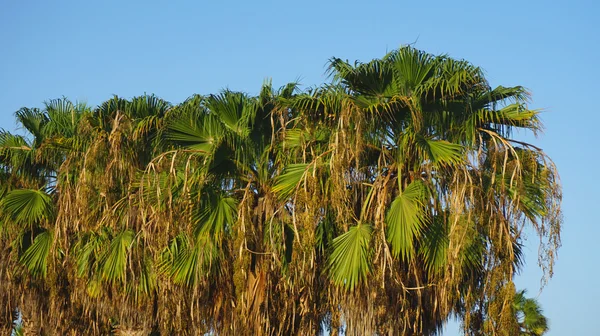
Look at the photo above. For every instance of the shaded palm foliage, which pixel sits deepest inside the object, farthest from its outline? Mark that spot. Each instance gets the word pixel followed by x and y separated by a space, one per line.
pixel 383 202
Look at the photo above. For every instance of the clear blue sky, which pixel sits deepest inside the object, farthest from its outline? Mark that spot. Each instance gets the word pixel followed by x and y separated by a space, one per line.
pixel 89 50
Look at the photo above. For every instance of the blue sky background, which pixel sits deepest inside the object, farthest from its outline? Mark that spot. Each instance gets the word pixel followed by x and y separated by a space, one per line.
pixel 89 50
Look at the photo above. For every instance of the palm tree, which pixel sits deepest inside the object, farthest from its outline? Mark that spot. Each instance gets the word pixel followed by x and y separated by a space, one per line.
pixel 428 190
pixel 530 317
pixel 27 205
pixel 525 316
pixel 380 203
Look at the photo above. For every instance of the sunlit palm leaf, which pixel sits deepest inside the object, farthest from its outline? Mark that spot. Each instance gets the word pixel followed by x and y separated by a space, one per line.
pixel 147 105
pixel 33 120
pixel 500 94
pixel 35 257
pixel 234 109
pixel 200 135
pixel 295 138
pixel 114 261
pixel 405 220
pixel 27 206
pixel 412 69
pixel 215 214
pixel 288 181
pixel 452 78
pixel 373 78
pixel 441 152
pixel 63 117
pixel 350 259
pixel 16 152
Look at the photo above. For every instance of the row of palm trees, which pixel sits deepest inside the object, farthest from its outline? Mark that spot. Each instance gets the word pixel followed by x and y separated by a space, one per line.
pixel 384 202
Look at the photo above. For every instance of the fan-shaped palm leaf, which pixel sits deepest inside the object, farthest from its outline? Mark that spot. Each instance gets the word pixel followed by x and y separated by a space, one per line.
pixel 215 214
pixel 113 264
pixel 288 181
pixel 405 219
pixel 35 257
pixel 530 315
pixel 440 152
pixel 27 206
pixel 434 246
pixel 187 261
pixel 350 259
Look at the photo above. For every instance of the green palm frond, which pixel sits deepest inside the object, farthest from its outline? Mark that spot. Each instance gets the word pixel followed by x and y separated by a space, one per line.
pixel 434 246
pixel 412 68
pixel 170 252
pixel 513 115
pixel 325 233
pixel 147 126
pixel 147 105
pixel 350 259
pixel 280 236
pixel 234 109
pixel 288 90
pixel 35 257
pixel 113 264
pixel 215 214
pixel 518 115
pixel 530 315
pixel 27 206
pixel 295 138
pixel 16 152
pixel 63 117
pixel 373 78
pixel 440 152
pixel 405 220
pixel 185 264
pixel 531 198
pixel 500 94
pixel 453 78
pixel 321 104
pixel 5 185
pixel 187 261
pixel 33 120
pixel 471 255
pixel 202 134
pixel 87 251
pixel 108 110
pixel 288 181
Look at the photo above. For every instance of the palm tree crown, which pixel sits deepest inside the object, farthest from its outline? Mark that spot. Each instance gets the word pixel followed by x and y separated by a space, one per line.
pixel 381 203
